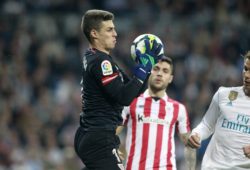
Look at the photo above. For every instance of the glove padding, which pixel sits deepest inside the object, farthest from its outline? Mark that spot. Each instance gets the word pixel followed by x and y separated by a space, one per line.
pixel 141 72
pixel 147 60
pixel 151 56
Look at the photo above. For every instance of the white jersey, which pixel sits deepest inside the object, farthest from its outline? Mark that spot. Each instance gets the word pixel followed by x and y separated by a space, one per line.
pixel 150 132
pixel 228 117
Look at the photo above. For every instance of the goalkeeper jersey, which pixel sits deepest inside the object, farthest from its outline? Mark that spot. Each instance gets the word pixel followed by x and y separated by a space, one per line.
pixel 228 118
pixel 105 89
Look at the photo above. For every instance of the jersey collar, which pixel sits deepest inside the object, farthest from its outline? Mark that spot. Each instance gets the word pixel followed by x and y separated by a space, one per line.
pixel 146 95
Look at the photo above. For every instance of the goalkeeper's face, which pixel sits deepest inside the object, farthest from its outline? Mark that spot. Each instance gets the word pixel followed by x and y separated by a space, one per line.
pixel 105 38
pixel 161 76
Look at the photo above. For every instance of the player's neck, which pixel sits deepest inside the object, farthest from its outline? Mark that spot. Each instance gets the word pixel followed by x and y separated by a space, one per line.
pixel 100 48
pixel 247 92
pixel 156 93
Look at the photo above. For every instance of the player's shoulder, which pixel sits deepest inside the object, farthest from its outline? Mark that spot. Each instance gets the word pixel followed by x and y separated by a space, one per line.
pixel 229 91
pixel 95 56
pixel 175 102
pixel 141 98
pixel 224 89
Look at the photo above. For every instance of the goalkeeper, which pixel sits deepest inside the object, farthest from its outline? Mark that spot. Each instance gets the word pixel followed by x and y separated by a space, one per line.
pixel 105 90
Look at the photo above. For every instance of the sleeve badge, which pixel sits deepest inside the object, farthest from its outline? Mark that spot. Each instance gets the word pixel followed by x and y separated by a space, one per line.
pixel 106 68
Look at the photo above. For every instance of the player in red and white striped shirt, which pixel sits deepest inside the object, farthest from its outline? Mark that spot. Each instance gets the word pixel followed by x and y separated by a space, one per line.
pixel 151 120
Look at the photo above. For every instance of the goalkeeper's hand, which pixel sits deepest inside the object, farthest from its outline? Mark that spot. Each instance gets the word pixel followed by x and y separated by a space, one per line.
pixel 147 60
pixel 151 55
pixel 141 72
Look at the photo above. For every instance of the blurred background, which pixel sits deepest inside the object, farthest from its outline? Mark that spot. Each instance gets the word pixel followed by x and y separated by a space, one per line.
pixel 40 66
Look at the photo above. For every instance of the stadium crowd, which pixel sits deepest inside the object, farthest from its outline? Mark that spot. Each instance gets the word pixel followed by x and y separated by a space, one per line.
pixel 40 66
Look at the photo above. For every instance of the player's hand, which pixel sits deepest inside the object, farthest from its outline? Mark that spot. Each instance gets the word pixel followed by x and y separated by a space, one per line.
pixel 151 55
pixel 194 141
pixel 246 150
pixel 154 51
pixel 141 72
pixel 147 60
pixel 121 155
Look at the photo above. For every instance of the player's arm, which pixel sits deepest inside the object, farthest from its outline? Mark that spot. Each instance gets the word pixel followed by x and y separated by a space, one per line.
pixel 119 130
pixel 109 77
pixel 189 153
pixel 184 132
pixel 124 93
pixel 125 117
pixel 190 157
pixel 121 151
pixel 207 125
pixel 111 81
pixel 141 71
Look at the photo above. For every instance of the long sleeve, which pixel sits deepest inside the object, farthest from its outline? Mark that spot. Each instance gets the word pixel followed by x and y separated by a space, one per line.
pixel 207 125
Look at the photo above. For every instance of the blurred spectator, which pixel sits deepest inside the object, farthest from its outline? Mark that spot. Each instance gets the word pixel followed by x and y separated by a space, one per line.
pixel 40 56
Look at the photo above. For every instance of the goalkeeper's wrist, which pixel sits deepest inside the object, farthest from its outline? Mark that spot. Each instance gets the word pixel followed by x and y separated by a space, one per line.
pixel 140 73
pixel 141 81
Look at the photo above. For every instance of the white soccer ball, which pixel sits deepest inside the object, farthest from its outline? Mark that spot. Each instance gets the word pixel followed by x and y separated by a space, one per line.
pixel 139 44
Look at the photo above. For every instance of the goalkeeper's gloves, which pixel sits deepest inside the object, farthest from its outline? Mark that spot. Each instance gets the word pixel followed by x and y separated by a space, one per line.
pixel 147 60
pixel 142 72
pixel 151 54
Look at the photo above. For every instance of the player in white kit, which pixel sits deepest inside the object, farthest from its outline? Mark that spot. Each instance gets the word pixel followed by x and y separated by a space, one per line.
pixel 151 120
pixel 228 119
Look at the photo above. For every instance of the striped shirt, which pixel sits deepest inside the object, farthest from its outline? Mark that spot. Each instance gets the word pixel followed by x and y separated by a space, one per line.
pixel 150 132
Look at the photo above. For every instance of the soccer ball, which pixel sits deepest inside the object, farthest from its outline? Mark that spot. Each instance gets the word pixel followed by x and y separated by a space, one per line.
pixel 138 44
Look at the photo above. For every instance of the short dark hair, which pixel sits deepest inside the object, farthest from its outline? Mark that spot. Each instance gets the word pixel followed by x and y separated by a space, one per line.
pixel 169 61
pixel 92 20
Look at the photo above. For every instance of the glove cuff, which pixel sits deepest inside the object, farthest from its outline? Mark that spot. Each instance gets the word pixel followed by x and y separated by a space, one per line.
pixel 140 73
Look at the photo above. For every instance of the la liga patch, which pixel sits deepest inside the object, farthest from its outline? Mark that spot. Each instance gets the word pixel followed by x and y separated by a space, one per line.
pixel 106 68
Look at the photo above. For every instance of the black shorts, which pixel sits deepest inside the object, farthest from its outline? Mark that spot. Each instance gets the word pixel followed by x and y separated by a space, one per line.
pixel 98 149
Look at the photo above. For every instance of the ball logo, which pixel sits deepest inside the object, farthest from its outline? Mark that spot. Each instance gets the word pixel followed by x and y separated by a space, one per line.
pixel 106 68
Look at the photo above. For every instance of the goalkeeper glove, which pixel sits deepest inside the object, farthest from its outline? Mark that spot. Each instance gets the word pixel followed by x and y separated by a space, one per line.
pixel 151 54
pixel 141 71
pixel 147 60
